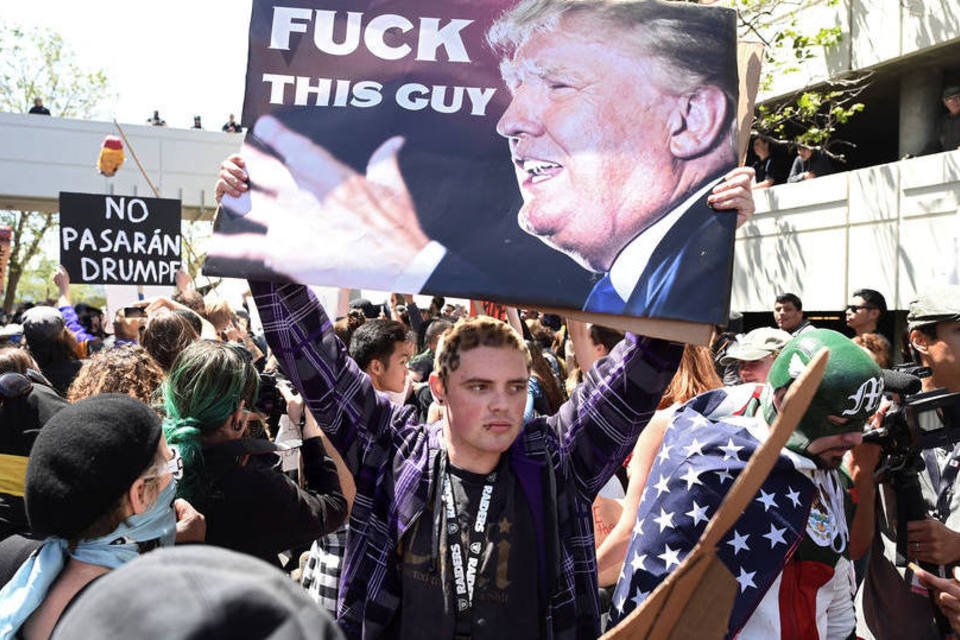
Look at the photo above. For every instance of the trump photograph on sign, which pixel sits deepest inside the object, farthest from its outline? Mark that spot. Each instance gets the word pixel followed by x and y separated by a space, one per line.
pixel 574 154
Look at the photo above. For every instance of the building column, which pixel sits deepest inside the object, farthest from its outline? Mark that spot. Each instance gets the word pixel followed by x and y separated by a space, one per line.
pixel 919 110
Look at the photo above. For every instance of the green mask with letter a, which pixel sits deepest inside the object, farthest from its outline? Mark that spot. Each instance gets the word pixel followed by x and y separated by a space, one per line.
pixel 852 386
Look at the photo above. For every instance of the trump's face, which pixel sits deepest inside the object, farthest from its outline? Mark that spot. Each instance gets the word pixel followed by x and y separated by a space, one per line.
pixel 589 131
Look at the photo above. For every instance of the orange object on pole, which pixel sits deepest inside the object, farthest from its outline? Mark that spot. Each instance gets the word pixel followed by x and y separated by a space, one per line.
pixel 111 156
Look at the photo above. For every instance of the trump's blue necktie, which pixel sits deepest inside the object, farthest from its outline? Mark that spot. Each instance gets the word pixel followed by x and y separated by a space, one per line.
pixel 604 298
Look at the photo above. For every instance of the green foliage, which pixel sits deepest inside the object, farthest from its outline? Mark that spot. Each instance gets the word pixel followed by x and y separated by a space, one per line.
pixel 195 234
pixel 38 63
pixel 36 284
pixel 810 116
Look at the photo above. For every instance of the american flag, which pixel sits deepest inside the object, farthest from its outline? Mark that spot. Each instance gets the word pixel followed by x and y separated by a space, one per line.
pixel 695 467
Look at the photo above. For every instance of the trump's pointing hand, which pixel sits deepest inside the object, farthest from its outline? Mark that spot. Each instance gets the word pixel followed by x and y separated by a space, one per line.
pixel 324 221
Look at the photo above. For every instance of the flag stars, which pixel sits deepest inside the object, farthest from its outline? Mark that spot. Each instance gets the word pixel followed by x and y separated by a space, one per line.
pixel 731 450
pixel 670 556
pixel 691 477
pixel 739 542
pixel 639 561
pixel 639 597
pixel 695 447
pixel 620 601
pixel 638 527
pixel 661 486
pixel 775 536
pixel 664 454
pixel 665 520
pixel 793 496
pixel 767 499
pixel 723 476
pixel 698 513
pixel 745 580
pixel 698 421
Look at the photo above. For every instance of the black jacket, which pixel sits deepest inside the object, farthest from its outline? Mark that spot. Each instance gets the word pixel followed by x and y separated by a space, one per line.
pixel 256 509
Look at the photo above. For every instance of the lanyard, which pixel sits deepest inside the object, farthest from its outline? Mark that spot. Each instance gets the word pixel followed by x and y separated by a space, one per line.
pixel 465 568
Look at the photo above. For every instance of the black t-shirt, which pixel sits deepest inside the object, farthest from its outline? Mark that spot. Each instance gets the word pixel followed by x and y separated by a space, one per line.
pixel 772 168
pixel 819 164
pixel 505 599
pixel 949 133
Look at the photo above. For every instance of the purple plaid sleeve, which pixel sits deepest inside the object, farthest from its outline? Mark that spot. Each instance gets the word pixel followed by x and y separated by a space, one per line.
pixel 339 395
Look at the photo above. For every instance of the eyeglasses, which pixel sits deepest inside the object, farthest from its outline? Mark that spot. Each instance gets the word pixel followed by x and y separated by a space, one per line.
pixel 173 466
pixel 856 307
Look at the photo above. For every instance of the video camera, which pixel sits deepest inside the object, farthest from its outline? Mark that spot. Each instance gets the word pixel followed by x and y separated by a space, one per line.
pixel 919 421
pixel 270 402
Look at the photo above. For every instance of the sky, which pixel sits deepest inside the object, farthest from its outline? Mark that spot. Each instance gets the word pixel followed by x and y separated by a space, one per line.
pixel 181 58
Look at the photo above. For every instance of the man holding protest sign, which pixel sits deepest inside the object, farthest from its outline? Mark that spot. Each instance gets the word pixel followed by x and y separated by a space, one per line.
pixel 479 520
pixel 614 170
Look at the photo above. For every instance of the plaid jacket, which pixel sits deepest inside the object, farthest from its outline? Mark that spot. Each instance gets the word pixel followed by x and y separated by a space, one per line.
pixel 321 574
pixel 395 461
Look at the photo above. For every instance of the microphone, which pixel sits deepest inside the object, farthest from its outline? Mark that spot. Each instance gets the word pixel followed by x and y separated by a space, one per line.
pixel 900 382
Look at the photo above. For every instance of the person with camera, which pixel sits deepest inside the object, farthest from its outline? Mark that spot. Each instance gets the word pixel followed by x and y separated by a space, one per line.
pixel 250 505
pixel 894 602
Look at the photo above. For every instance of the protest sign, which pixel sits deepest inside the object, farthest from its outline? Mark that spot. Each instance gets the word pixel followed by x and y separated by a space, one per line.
pixel 109 239
pixel 487 308
pixel 524 152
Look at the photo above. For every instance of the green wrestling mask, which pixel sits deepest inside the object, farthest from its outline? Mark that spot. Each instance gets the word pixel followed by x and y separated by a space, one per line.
pixel 852 386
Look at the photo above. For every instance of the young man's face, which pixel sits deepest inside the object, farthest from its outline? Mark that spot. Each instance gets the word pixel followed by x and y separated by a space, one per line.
pixel 952 103
pixel 787 316
pixel 942 354
pixel 828 451
pixel 391 375
pixel 755 370
pixel 484 400
pixel 860 315
pixel 591 150
pixel 761 148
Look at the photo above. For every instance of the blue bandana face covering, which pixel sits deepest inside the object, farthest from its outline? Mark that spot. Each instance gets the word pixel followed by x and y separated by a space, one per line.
pixel 155 527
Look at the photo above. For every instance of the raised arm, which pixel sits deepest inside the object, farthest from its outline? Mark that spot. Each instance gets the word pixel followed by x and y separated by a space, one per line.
pixel 338 394
pixel 62 279
pixel 599 425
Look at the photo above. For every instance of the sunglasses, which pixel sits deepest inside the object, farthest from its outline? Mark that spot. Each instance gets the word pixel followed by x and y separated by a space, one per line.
pixel 856 307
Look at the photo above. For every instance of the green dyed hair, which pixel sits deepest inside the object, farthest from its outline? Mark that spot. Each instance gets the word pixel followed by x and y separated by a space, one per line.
pixel 206 384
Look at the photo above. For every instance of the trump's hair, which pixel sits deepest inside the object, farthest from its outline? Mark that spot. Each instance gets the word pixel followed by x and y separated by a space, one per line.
pixel 698 45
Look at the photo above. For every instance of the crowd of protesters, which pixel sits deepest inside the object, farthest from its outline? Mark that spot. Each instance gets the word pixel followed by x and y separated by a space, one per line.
pixel 193 422
pixel 408 472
